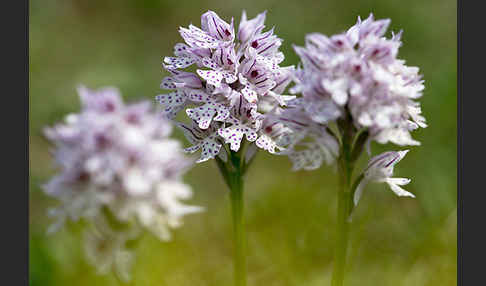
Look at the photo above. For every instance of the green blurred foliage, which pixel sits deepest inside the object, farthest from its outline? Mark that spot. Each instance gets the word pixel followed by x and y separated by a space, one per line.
pixel 290 215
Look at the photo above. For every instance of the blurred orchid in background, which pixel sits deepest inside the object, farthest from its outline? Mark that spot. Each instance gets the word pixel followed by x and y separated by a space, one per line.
pixel 120 171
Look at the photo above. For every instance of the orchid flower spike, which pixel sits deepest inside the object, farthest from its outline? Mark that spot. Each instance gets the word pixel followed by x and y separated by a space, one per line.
pixel 117 164
pixel 355 76
pixel 238 80
pixel 380 169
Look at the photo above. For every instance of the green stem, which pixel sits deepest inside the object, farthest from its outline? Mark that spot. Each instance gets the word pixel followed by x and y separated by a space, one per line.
pixel 345 166
pixel 239 240
pixel 233 172
pixel 344 197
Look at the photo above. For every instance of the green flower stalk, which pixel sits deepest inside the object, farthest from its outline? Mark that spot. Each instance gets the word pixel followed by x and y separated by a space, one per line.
pixel 351 149
pixel 233 172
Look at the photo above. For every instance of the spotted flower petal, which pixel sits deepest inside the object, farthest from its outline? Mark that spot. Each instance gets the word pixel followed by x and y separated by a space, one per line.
pixel 168 83
pixel 234 134
pixel 172 102
pixel 210 147
pixel 197 95
pixel 178 62
pixel 204 114
pixel 249 94
pixel 265 142
pixel 196 37
pixel 211 77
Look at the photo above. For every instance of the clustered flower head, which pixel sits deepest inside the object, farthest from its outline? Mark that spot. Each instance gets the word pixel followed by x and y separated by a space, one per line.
pixel 237 81
pixel 118 165
pixel 354 75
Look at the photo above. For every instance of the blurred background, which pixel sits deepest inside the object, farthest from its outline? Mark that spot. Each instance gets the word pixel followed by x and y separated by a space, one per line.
pixel 290 215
